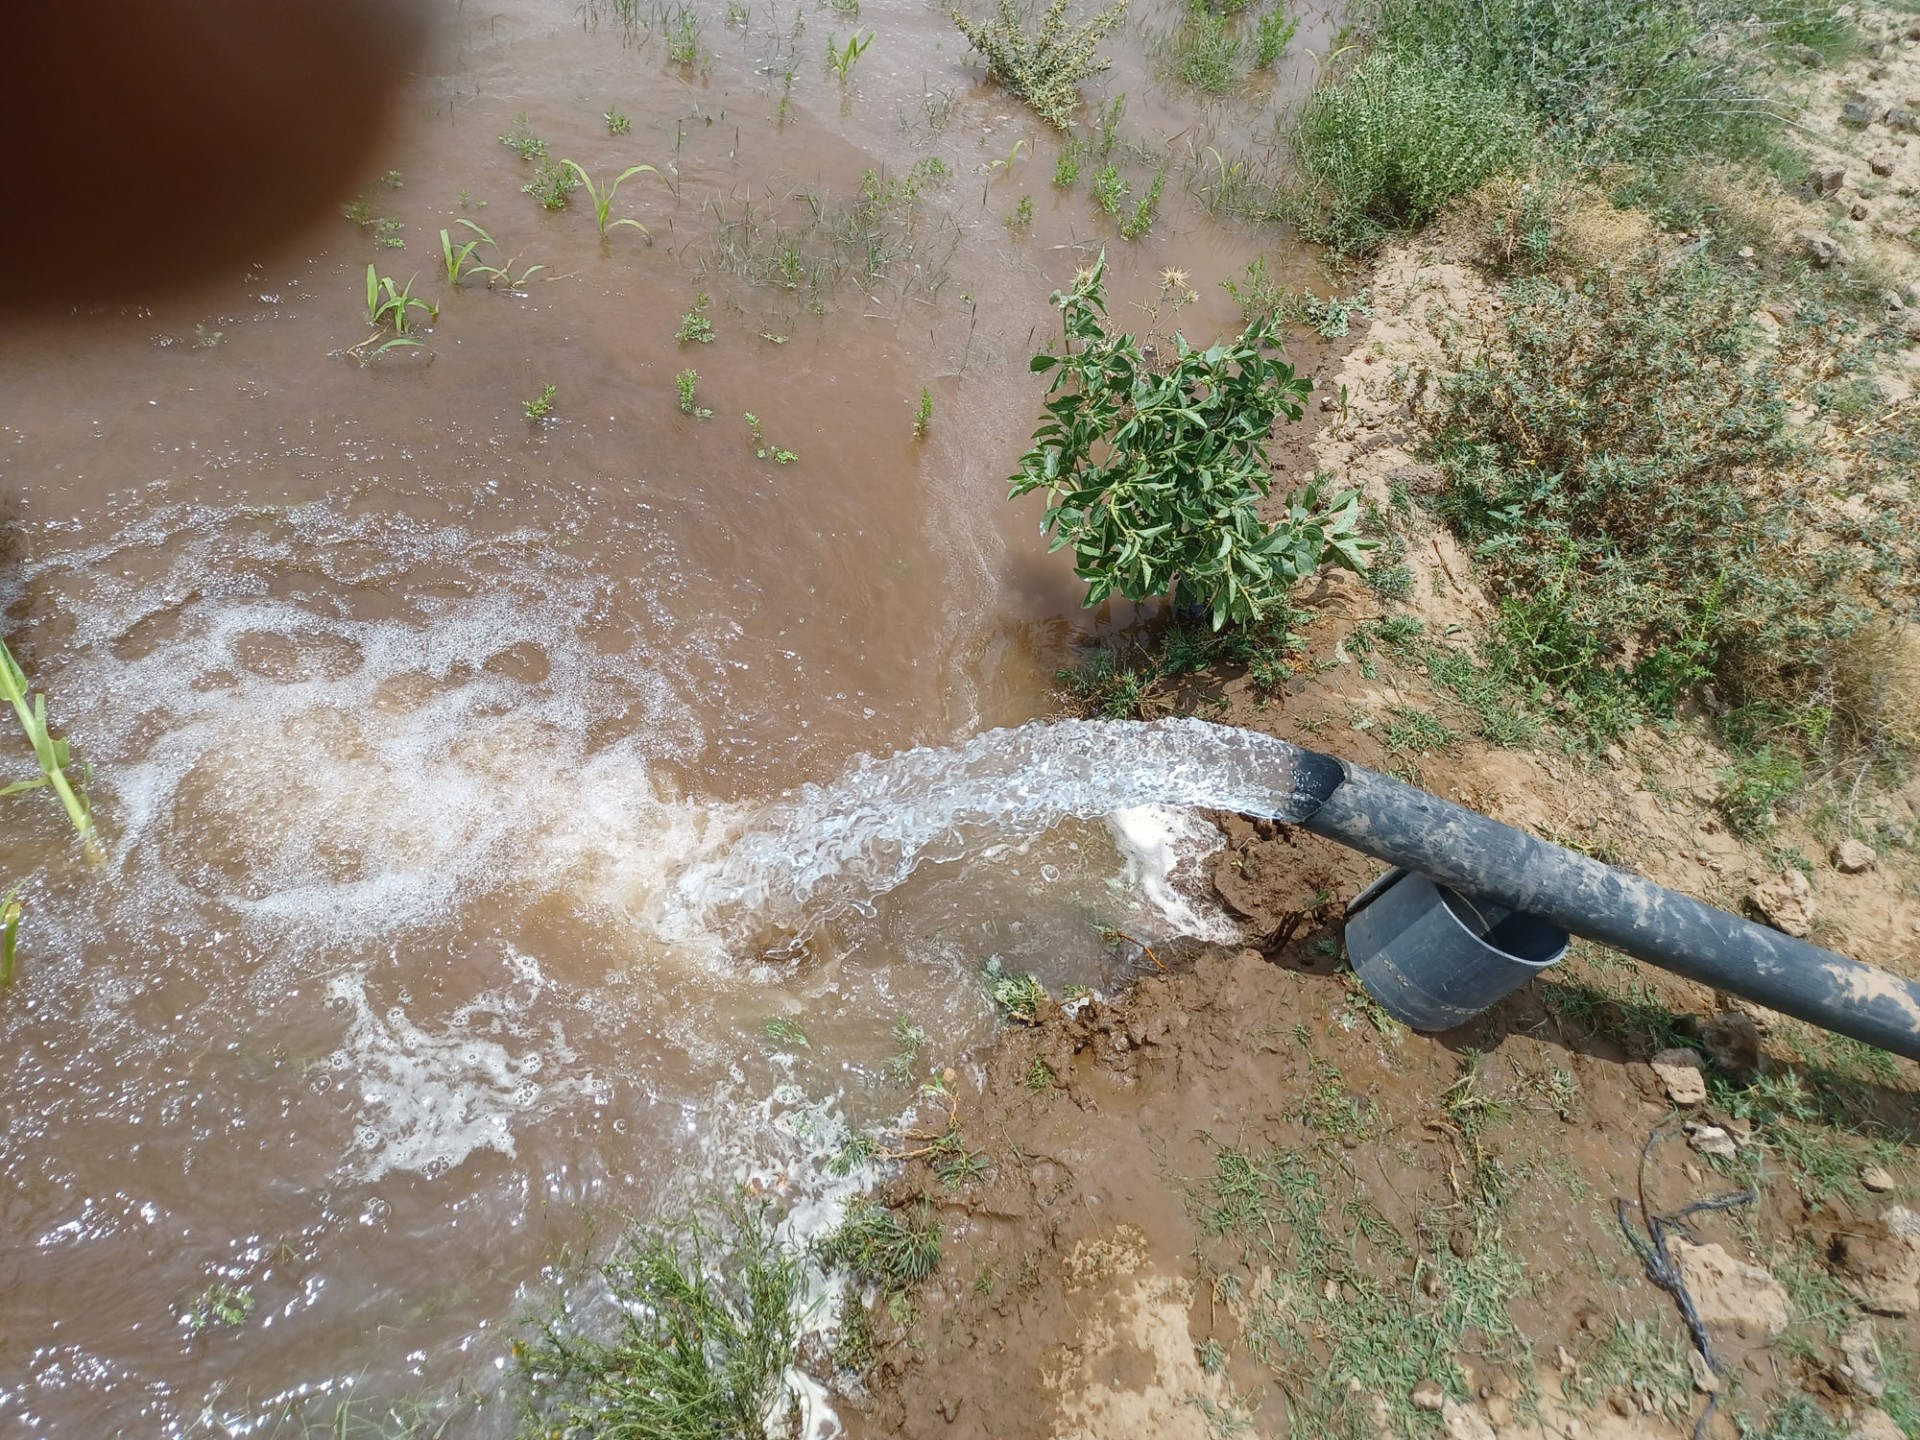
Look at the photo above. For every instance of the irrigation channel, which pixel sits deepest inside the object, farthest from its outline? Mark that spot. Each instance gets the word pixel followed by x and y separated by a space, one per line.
pixel 443 911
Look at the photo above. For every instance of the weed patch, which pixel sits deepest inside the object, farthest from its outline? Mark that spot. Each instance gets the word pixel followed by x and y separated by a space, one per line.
pixel 1045 65
pixel 703 1327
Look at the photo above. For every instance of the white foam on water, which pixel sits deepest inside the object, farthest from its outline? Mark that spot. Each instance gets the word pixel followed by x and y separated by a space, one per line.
pixel 431 1097
pixel 1163 848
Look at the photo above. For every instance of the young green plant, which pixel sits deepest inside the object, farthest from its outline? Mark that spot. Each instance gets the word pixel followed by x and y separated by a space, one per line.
pixel 603 198
pixel 392 305
pixel 541 406
pixel 459 258
pixel 9 934
pixel 841 58
pixel 762 449
pixel 53 755
pixel 923 414
pixel 1153 470
pixel 684 383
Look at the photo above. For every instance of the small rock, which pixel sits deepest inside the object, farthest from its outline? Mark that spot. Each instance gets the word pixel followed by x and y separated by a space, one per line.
pixel 1745 252
pixel 1863 1360
pixel 1731 1292
pixel 1913 31
pixel 1786 903
pixel 1873 1423
pixel 1851 857
pixel 950 1407
pixel 1821 249
pixel 1901 118
pixel 1620 1403
pixel 1704 1380
pixel 1858 210
pixel 1428 1395
pixel 1876 1179
pixel 1499 1411
pixel 1465 1422
pixel 1881 164
pixel 1712 1140
pixel 1826 179
pixel 1859 112
pixel 1679 1072
pixel 1614 756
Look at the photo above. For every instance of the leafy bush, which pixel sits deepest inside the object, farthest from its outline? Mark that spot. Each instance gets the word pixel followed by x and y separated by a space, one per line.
pixel 708 1322
pixel 1153 473
pixel 1618 456
pixel 1397 138
pixel 1045 67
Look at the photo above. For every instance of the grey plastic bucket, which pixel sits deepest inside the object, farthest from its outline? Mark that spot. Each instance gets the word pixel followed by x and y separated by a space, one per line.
pixel 1435 959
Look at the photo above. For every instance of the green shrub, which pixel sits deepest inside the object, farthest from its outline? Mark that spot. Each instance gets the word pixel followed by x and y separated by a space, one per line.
pixel 1044 67
pixel 1619 459
pixel 1153 472
pixel 1388 145
pixel 1207 54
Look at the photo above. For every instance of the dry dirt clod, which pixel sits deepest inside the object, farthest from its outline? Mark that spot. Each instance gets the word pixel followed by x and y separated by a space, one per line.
pixel 1704 1380
pixel 1863 1360
pixel 1880 1262
pixel 1679 1072
pixel 1428 1395
pixel 1499 1412
pixel 950 1407
pixel 1465 1422
pixel 1853 857
pixel 1859 113
pixel 1731 1041
pixel 1873 1423
pixel 1827 178
pixel 1712 1140
pixel 1876 1179
pixel 1731 1292
pixel 1881 164
pixel 1786 903
pixel 1820 249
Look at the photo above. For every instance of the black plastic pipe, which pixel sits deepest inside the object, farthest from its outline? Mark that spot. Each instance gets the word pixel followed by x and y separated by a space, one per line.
pixel 1490 862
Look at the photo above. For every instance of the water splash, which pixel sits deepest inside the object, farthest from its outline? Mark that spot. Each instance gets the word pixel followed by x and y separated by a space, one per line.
pixel 827 848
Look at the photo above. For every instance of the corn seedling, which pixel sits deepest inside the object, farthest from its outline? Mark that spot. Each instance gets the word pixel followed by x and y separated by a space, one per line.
pixel 617 124
pixel 841 58
pixel 9 934
pixel 694 325
pixel 52 753
pixel 761 449
pixel 392 305
pixel 602 197
pixel 459 258
pixel 923 416
pixel 541 406
pixel 522 139
pixel 684 383
pixel 501 276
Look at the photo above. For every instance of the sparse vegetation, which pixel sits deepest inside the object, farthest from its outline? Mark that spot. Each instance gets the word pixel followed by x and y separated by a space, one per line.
pixel 683 384
pixel 923 414
pixel 541 406
pixel 602 197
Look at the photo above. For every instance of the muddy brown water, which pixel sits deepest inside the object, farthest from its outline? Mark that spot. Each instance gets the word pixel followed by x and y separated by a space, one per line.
pixel 404 709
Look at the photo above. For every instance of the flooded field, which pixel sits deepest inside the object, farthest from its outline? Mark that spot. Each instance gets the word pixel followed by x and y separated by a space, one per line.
pixel 411 714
